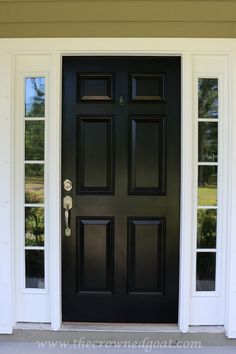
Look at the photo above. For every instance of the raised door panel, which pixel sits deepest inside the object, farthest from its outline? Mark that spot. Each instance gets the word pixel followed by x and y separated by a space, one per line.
pixel 147 155
pixel 95 250
pixel 147 87
pixel 146 255
pixel 95 87
pixel 95 155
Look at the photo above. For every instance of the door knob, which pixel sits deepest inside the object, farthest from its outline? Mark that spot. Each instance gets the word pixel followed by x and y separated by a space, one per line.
pixel 67 204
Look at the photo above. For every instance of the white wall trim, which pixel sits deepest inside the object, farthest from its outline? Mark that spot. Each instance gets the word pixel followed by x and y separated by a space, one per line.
pixel 55 48
pixel 230 321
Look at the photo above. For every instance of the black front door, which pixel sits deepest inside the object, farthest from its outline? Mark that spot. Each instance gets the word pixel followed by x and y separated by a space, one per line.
pixel 121 151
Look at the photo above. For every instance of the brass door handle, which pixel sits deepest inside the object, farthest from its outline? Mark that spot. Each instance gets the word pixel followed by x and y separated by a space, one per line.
pixel 67 203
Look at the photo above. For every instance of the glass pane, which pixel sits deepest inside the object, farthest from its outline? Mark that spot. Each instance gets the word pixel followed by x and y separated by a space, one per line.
pixel 34 140
pixel 35 97
pixel 208 98
pixel 206 269
pixel 34 183
pixel 207 142
pixel 207 185
pixel 34 269
pixel 34 226
pixel 206 228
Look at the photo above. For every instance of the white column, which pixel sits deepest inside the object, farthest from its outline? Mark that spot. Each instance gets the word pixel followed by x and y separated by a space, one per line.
pixel 54 156
pixel 6 273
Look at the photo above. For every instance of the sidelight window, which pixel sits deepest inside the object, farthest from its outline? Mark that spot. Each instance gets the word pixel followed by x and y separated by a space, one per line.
pixel 34 175
pixel 207 198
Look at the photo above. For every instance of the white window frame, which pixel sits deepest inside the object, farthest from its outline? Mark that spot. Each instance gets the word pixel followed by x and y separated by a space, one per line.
pixel 25 300
pixel 213 313
pixel 54 49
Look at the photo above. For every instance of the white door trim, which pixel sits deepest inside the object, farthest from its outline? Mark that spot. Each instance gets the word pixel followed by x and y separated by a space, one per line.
pixel 56 48
pixel 186 188
pixel 186 196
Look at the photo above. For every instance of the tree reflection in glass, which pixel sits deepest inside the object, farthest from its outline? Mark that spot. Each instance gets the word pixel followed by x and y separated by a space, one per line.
pixel 208 98
pixel 34 183
pixel 207 185
pixel 35 97
pixel 207 142
pixel 206 228
pixel 34 226
pixel 34 140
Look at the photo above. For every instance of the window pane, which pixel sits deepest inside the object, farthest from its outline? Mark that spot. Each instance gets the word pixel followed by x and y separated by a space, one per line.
pixel 34 140
pixel 34 269
pixel 206 269
pixel 208 98
pixel 34 183
pixel 206 228
pixel 35 97
pixel 207 142
pixel 34 226
pixel 207 185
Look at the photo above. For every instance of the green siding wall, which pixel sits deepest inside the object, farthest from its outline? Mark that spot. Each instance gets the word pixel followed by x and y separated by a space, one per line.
pixel 117 18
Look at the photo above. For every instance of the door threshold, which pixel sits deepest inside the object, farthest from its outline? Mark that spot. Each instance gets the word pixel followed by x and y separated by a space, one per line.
pixel 119 327
pixel 101 327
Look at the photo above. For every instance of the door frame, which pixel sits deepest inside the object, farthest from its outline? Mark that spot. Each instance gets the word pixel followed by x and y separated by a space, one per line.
pixel 185 185
pixel 13 49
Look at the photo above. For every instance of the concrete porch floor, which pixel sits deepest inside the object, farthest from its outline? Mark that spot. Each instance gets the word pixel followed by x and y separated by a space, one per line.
pixel 32 348
pixel 112 340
